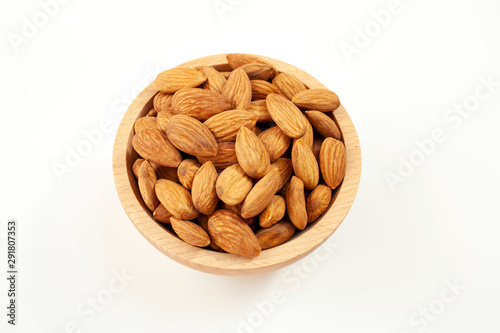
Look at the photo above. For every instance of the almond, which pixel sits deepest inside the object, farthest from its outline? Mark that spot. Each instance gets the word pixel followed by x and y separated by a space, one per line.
pixel 260 195
pixel 324 124
pixel 275 235
pixel 332 160
pixel 251 153
pixel 161 214
pixel 203 191
pixel 152 113
pixel 273 213
pixel 215 80
pixel 191 136
pixel 226 125
pixel 186 171
pixel 203 222
pixel 256 71
pixel 226 156
pixel 285 171
pixel 228 231
pixel 251 221
pixel 318 141
pixel 226 74
pixel 259 108
pixel 144 123
pixel 317 99
pixel 233 185
pixel 163 172
pixel 172 80
pixel 288 85
pixel 286 115
pixel 261 88
pixel 154 146
pixel 256 130
pixel 317 202
pixel 136 166
pixel 162 119
pixel 308 137
pixel 275 141
pixel 236 60
pixel 162 101
pixel 176 199
pixel 305 165
pixel 296 203
pixel 199 103
pixel 238 89
pixel 147 180
pixel 190 232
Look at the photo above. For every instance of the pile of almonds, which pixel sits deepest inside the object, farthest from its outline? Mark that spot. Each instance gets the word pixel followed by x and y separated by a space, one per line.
pixel 238 160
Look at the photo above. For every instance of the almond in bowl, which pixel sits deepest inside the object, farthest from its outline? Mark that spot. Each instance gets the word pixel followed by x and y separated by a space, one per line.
pixel 236 164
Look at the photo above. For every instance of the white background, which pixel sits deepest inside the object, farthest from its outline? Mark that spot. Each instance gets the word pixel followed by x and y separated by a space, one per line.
pixel 397 251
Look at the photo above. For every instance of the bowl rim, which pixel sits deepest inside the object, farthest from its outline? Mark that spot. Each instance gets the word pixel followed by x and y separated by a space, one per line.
pixel 224 263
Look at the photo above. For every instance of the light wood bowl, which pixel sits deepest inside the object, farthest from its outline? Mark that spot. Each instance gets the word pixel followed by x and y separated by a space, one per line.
pixel 302 243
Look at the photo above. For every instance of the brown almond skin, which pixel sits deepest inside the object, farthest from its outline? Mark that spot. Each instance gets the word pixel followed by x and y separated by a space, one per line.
pixel 275 141
pixel 163 172
pixel 317 202
pixel 162 119
pixel 256 130
pixel 260 195
pixel 199 103
pixel 233 185
pixel 144 123
pixel 259 108
pixel 275 235
pixel 215 80
pixel 176 199
pixel 161 101
pixel 305 165
pixel 252 154
pixel 256 71
pixel 288 85
pixel 238 89
pixel 286 115
pixel 232 234
pixel 332 161
pixel 203 191
pixel 186 171
pixel 236 60
pixel 191 136
pixel 316 147
pixel 161 214
pixel 203 222
pixel 154 146
pixel 251 221
pixel 261 88
pixel 324 124
pixel 152 113
pixel 147 181
pixel 308 136
pixel 226 125
pixel 136 166
pixel 172 80
pixel 190 232
pixel 296 203
pixel 226 156
pixel 317 99
pixel 285 171
pixel 273 213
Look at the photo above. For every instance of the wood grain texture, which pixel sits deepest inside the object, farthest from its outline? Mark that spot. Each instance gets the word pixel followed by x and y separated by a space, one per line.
pixel 301 244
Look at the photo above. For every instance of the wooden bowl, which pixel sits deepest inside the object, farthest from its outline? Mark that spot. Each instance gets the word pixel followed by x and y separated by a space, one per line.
pixel 301 244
